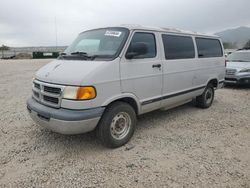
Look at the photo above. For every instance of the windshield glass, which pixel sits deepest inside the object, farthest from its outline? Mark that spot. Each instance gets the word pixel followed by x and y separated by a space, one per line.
pixel 239 56
pixel 99 43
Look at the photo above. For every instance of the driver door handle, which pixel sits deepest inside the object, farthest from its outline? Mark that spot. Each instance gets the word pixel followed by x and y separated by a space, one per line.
pixel 156 66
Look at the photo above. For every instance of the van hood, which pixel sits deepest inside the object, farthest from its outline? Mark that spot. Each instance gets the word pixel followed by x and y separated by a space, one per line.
pixel 238 65
pixel 67 72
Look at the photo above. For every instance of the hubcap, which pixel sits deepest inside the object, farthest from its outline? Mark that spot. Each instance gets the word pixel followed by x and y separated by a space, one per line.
pixel 120 125
pixel 209 95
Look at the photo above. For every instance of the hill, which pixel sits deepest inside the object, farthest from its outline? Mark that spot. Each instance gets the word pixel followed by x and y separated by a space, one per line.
pixel 238 36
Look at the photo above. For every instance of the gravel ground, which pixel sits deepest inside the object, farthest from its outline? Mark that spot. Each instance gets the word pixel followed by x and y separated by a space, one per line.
pixel 182 147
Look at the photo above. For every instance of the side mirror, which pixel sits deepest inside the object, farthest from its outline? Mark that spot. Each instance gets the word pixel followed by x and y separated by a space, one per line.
pixel 136 49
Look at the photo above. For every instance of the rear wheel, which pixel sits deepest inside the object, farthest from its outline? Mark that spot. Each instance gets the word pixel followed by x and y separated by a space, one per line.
pixel 206 99
pixel 117 125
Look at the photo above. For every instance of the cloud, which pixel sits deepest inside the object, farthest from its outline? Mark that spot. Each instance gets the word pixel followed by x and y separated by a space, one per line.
pixel 32 22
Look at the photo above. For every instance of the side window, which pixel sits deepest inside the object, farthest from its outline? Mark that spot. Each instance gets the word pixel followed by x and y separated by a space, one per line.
pixel 208 48
pixel 178 47
pixel 146 40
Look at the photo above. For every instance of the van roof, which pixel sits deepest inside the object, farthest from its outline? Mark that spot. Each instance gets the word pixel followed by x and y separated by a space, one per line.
pixel 169 30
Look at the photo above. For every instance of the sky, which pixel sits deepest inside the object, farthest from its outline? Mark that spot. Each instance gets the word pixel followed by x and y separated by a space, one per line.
pixel 51 22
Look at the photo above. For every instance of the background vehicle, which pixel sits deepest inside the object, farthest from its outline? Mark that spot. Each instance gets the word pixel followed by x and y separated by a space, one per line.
pixel 108 76
pixel 238 67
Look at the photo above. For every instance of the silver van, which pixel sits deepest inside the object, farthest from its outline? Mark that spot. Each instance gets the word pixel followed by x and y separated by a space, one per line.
pixel 109 76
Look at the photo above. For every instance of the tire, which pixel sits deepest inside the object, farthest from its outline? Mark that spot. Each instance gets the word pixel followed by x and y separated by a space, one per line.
pixel 117 125
pixel 206 99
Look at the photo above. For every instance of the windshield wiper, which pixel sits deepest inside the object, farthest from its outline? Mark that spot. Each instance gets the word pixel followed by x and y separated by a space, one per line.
pixel 82 54
pixel 100 56
pixel 79 53
pixel 85 55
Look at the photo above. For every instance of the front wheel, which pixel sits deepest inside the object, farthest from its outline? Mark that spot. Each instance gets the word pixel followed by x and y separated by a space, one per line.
pixel 117 125
pixel 206 99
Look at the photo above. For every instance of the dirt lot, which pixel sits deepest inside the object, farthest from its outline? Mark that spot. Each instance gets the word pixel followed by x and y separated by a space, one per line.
pixel 182 147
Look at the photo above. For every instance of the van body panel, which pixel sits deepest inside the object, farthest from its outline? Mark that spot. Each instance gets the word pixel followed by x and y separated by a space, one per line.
pixel 140 78
pixel 105 79
pixel 123 96
pixel 208 69
pixel 152 82
pixel 180 97
pixel 178 76
pixel 68 72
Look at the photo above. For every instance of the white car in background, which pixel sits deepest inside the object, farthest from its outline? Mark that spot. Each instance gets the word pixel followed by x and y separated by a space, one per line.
pixel 238 67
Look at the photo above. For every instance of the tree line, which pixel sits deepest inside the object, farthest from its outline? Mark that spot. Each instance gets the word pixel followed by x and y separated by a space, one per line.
pixel 230 45
pixel 4 48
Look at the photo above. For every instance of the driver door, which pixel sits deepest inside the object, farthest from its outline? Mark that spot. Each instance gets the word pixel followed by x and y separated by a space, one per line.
pixel 142 74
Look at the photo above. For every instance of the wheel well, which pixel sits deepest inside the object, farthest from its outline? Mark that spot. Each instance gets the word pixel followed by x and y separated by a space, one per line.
pixel 214 82
pixel 130 101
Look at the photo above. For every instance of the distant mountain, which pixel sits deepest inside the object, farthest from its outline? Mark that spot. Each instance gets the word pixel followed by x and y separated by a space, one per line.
pixel 238 36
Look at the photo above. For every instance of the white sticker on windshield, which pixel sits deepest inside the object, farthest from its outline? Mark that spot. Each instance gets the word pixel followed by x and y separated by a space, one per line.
pixel 113 33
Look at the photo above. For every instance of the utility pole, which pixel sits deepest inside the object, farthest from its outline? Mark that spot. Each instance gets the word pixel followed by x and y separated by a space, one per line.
pixel 56 31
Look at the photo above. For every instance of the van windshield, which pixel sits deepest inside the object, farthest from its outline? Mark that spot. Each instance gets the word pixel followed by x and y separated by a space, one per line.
pixel 103 44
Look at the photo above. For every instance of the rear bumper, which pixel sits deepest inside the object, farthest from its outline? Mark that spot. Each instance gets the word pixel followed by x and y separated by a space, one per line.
pixel 64 121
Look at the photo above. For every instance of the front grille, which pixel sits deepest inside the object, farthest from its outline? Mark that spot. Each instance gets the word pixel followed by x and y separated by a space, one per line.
pixel 231 79
pixel 36 94
pixel 50 99
pixel 52 90
pixel 36 85
pixel 48 94
pixel 230 71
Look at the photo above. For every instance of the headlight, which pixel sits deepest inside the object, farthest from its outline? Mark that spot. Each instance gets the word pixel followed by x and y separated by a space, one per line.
pixel 79 93
pixel 245 70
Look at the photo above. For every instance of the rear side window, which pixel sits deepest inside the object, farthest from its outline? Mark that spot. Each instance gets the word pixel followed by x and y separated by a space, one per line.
pixel 178 47
pixel 208 48
pixel 149 40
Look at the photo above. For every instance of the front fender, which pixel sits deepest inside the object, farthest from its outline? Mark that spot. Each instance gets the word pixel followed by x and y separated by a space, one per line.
pixel 122 96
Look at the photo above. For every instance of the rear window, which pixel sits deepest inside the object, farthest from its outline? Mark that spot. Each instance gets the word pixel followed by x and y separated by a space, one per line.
pixel 178 47
pixel 208 48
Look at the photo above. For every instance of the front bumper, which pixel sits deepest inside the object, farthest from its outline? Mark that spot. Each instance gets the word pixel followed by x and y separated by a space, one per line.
pixel 237 79
pixel 64 121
